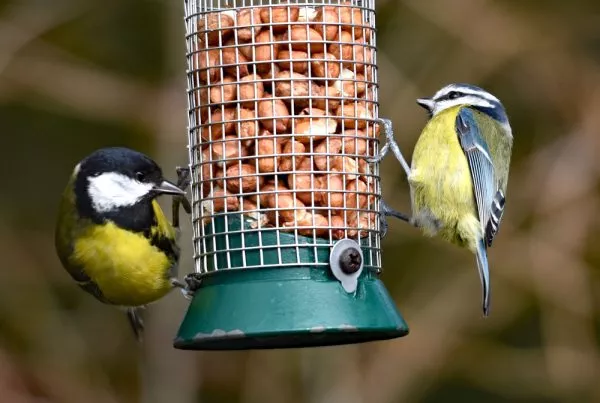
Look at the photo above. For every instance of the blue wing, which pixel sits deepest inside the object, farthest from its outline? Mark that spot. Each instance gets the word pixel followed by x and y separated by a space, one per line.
pixel 481 166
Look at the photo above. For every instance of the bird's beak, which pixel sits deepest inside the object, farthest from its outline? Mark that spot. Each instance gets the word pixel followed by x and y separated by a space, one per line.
pixel 167 187
pixel 426 103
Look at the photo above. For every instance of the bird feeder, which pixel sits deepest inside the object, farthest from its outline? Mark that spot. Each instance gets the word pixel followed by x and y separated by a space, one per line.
pixel 282 118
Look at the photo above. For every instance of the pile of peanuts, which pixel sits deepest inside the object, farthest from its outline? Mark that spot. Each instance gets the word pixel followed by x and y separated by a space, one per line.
pixel 284 105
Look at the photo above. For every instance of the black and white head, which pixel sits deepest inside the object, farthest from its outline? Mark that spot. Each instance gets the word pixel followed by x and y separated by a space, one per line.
pixel 119 184
pixel 468 95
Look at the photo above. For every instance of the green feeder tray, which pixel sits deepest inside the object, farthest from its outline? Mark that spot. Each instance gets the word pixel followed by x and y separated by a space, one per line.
pixel 297 305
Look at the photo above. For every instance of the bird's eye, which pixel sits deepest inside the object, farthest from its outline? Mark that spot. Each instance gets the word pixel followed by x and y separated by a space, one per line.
pixel 454 94
pixel 140 176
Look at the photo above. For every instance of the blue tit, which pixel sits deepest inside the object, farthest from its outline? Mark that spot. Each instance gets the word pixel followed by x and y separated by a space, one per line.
pixel 459 171
pixel 111 234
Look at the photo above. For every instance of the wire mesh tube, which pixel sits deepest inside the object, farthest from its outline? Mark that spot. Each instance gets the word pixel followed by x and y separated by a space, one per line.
pixel 282 109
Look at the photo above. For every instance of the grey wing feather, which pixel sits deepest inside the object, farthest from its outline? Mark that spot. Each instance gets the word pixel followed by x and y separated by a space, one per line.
pixel 495 218
pixel 480 164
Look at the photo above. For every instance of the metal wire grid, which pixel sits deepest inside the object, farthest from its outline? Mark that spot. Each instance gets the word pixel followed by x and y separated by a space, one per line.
pixel 282 109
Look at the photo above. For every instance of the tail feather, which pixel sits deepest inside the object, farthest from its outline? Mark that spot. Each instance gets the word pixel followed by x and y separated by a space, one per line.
pixel 484 275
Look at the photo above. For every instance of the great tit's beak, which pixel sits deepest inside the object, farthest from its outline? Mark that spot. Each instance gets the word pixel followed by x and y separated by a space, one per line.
pixel 426 103
pixel 167 187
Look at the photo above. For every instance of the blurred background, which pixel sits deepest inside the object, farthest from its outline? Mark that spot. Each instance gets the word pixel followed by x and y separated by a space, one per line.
pixel 76 75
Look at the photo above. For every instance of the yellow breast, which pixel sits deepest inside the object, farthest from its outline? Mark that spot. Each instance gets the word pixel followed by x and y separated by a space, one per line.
pixel 126 267
pixel 441 185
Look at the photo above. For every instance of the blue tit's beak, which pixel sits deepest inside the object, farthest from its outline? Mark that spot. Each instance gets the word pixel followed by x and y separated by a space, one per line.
pixel 426 103
pixel 167 187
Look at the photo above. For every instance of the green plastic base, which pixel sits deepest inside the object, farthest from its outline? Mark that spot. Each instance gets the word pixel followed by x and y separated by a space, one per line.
pixel 285 307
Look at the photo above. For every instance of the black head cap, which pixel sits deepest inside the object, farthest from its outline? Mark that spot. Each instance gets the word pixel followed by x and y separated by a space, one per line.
pixel 122 160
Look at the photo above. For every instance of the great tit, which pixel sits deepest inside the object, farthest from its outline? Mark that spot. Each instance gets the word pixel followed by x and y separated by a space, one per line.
pixel 459 171
pixel 111 234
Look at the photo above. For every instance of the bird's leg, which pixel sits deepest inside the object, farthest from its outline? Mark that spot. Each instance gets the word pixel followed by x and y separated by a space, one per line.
pixel 390 144
pixel 387 211
pixel 183 182
pixel 136 322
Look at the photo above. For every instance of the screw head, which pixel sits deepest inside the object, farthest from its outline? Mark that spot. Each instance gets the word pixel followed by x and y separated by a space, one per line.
pixel 350 260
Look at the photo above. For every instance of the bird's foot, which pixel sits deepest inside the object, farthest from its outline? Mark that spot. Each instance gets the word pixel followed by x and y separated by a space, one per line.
pixel 390 144
pixel 183 182
pixel 183 177
pixel 192 283
pixel 387 211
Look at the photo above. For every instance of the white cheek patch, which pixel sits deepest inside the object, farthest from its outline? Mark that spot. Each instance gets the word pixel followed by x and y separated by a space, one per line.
pixel 112 190
pixel 466 100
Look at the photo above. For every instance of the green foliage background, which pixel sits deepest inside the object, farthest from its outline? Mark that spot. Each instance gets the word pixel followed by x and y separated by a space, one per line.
pixel 76 75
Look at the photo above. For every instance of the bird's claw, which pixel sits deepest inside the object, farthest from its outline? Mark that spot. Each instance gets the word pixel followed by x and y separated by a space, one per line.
pixel 188 289
pixel 183 177
pixel 193 282
pixel 390 144
pixel 183 182
pixel 379 157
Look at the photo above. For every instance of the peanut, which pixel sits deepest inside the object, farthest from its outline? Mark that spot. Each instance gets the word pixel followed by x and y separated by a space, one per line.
pixel 330 147
pixel 279 16
pixel 337 163
pixel 326 98
pixel 346 83
pixel 213 26
pixel 307 14
pixel 295 88
pixel 247 21
pixel 242 178
pixel 248 127
pixel 271 147
pixel 234 63
pixel 354 115
pixel 305 39
pixel 350 18
pixel 290 207
pixel 332 187
pixel 355 145
pixel 356 198
pixel 222 200
pixel 220 124
pixel 205 62
pixel 327 22
pixel 316 222
pixel 229 151
pixel 201 97
pixel 303 185
pixel 264 51
pixel 347 166
pixel 366 222
pixel 297 58
pixel 251 90
pixel 338 226
pixel 312 126
pixel 223 91
pixel 274 113
pixel 294 150
pixel 325 65
pixel 351 53
pixel 361 84
pixel 207 171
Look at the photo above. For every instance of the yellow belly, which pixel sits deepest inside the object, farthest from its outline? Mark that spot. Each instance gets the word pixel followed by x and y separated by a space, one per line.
pixel 441 186
pixel 126 267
